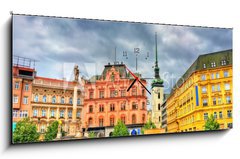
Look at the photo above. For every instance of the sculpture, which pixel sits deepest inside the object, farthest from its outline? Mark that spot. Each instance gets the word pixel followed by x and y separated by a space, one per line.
pixel 76 73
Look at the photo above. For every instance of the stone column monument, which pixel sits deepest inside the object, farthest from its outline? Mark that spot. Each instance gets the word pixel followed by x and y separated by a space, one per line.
pixel 75 125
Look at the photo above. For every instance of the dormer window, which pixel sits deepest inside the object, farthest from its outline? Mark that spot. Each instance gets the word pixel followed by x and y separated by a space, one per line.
pixel 204 65
pixel 213 64
pixel 223 62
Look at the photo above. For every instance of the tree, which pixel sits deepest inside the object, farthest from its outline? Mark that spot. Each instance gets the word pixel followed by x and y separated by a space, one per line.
pixel 148 125
pixel 120 129
pixel 92 134
pixel 26 131
pixel 52 131
pixel 211 124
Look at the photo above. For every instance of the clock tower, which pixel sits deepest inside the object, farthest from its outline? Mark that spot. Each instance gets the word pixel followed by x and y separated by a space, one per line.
pixel 157 92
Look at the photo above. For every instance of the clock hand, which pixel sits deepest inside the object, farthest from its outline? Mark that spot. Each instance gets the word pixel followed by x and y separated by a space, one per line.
pixel 136 78
pixel 131 84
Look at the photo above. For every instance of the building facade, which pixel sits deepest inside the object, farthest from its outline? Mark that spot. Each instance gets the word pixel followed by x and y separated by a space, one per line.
pixel 107 100
pixel 44 100
pixel 205 89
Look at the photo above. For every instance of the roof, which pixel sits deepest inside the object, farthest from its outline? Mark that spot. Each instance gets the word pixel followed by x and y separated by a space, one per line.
pixel 204 62
pixel 119 67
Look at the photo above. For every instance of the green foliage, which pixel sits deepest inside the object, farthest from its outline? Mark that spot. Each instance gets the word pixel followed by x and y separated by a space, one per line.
pixel 148 125
pixel 211 124
pixel 26 131
pixel 92 134
pixel 52 131
pixel 120 129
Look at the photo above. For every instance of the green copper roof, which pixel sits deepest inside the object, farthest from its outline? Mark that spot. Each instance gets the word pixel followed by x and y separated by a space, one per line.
pixel 206 61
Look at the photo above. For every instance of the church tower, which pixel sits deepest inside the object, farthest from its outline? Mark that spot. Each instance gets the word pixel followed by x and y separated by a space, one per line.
pixel 157 92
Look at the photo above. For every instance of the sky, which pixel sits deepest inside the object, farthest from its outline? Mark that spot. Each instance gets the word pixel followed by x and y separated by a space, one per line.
pixel 57 44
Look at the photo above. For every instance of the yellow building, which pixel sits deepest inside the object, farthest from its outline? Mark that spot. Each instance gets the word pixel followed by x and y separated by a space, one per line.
pixel 205 89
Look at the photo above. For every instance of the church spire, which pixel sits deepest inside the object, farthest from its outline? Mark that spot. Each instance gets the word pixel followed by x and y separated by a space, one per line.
pixel 156 69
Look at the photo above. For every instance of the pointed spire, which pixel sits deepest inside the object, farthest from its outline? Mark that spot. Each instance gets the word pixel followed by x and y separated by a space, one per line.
pixel 156 69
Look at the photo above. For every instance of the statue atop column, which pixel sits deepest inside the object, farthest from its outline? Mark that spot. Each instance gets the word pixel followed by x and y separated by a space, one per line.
pixel 76 73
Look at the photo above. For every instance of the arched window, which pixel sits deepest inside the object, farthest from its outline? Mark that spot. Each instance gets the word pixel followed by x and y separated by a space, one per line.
pixel 62 100
pixel 90 109
pixel 90 121
pixel 101 121
pixel 112 120
pixel 70 101
pixel 36 98
pixel 134 119
pixel 44 99
pixel 53 99
pixel 134 106
pixel 143 118
pixel 123 118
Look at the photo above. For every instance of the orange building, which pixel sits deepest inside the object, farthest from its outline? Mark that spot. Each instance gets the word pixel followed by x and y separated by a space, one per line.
pixel 107 100
pixel 23 73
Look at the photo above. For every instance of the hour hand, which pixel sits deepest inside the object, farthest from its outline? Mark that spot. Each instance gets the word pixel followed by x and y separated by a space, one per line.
pixel 131 84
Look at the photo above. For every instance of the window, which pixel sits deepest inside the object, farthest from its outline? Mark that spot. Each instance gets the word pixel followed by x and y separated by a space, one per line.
pixel 101 94
pixel 53 99
pixel 42 130
pixel 101 108
pixel 25 100
pixel 90 95
pixel 229 113
pixel 159 106
pixel 205 116
pixel 228 99
pixel 225 73
pixel 205 102
pixel 123 119
pixel 223 62
pixel 70 100
pixel 143 92
pixel 61 113
pixel 52 113
pixel 15 113
pixel 159 119
pixel 112 77
pixel 44 99
pixel 26 88
pixel 214 101
pixel 158 95
pixel 213 88
pixel 134 91
pixel 90 109
pixel 90 121
pixel 143 105
pixel 143 118
pixel 111 121
pixel 23 113
pixel 204 65
pixel 213 64
pixel 35 112
pixel 218 87
pixel 70 113
pixel 215 115
pixel 212 76
pixel 100 121
pixel 112 107
pixel 220 115
pixel 16 85
pixel 43 113
pixel 62 100
pixel 134 119
pixel 78 101
pixel 123 106
pixel 78 114
pixel 36 98
pixel 112 93
pixel 134 106
pixel 219 100
pixel 227 86
pixel 203 77
pixel 15 99
pixel 229 125
pixel 217 75
pixel 123 93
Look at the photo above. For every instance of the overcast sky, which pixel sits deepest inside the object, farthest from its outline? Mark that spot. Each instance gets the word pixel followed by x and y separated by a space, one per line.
pixel 59 43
